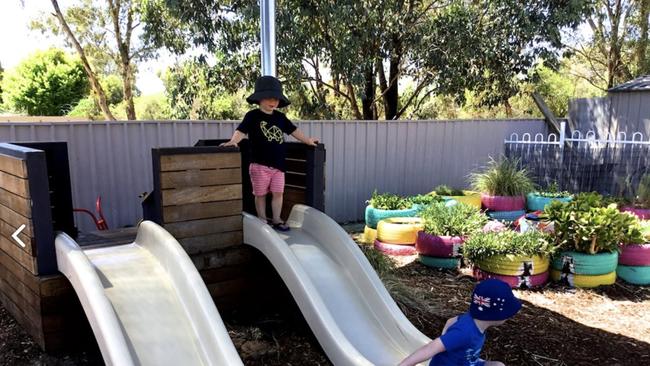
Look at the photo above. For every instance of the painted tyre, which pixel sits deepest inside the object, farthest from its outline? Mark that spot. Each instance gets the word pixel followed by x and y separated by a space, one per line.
pixel 636 275
pixel 506 215
pixel 635 255
pixel 399 230
pixel 470 198
pixel 536 202
pixel 586 264
pixel 514 265
pixel 435 262
pixel 438 246
pixel 641 213
pixel 395 249
pixel 369 235
pixel 503 203
pixel 514 281
pixel 585 281
pixel 374 215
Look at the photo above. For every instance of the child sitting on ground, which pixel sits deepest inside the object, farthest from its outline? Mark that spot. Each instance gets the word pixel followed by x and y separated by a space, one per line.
pixel 265 128
pixel 462 337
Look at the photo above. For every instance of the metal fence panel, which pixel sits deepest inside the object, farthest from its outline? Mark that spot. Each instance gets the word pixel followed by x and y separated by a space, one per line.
pixel 113 159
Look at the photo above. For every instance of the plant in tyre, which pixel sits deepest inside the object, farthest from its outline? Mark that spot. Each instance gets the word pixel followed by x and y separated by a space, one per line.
pixel 584 225
pixel 642 199
pixel 425 199
pixel 504 177
pixel 553 191
pixel 508 243
pixel 456 220
pixel 443 190
pixel 389 201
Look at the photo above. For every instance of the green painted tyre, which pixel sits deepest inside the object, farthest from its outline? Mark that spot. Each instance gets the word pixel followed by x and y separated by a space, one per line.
pixel 535 202
pixel 585 264
pixel 436 262
pixel 374 215
pixel 636 275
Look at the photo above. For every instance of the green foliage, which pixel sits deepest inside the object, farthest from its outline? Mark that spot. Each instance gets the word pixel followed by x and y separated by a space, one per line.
pixel 47 83
pixel 643 192
pixel 86 107
pixel 456 220
pixel 585 225
pixel 503 178
pixel 443 190
pixel 509 243
pixel 383 264
pixel 552 191
pixel 389 201
pixel 148 107
pixel 425 199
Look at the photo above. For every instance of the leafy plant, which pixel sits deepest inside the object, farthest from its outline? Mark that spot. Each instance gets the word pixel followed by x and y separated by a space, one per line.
pixel 389 201
pixel 444 190
pixel 457 220
pixel 553 191
pixel 643 192
pixel 425 199
pixel 503 178
pixel 585 225
pixel 485 245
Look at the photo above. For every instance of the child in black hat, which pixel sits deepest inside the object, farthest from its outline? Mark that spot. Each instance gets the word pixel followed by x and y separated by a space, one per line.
pixel 462 337
pixel 265 127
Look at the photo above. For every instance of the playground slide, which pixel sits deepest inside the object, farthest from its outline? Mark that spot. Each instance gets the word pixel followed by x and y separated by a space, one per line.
pixel 339 293
pixel 146 302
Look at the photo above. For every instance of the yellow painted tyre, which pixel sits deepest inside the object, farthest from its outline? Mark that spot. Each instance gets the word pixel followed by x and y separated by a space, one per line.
pixel 514 265
pixel 399 230
pixel 470 198
pixel 369 235
pixel 585 281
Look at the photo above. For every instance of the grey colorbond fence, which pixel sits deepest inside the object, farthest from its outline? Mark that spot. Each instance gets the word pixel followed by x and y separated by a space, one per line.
pixel 113 159
pixel 582 162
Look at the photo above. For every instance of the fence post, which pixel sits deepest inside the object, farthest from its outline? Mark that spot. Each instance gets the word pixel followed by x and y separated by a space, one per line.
pixel 560 182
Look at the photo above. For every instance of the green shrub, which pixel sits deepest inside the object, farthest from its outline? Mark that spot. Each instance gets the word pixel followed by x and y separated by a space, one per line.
pixel 485 245
pixel 444 190
pixel 503 178
pixel 643 192
pixel 425 199
pixel 586 225
pixel 389 201
pixel 456 220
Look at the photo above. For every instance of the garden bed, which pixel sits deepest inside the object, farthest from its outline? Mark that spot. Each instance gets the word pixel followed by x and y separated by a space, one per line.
pixel 557 326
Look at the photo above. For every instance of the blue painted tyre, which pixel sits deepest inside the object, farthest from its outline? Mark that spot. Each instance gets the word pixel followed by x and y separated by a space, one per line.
pixel 536 202
pixel 586 264
pixel 374 215
pixel 636 275
pixel 436 262
pixel 506 215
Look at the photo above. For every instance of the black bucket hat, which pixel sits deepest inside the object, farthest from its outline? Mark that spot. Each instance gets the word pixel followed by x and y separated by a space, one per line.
pixel 268 87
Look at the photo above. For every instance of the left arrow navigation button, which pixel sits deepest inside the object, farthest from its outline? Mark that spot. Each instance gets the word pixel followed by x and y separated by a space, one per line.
pixel 15 235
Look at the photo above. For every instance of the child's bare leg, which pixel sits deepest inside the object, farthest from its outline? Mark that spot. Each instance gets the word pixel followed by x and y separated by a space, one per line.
pixel 494 363
pixel 276 206
pixel 260 207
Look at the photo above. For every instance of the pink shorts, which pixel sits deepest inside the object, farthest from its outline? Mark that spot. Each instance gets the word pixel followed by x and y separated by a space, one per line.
pixel 266 179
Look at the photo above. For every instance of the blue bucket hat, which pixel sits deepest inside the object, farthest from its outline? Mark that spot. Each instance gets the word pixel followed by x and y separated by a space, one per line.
pixel 268 87
pixel 493 299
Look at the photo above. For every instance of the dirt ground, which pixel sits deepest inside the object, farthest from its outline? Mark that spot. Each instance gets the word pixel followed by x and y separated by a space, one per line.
pixel 557 326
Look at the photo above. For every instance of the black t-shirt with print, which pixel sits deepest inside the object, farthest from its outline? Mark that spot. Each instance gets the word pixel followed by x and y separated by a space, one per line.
pixel 266 134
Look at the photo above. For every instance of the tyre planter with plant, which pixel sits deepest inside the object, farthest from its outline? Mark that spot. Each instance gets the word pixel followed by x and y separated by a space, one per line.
pixel 520 259
pixel 506 216
pixel 386 205
pixel 369 235
pixel 399 230
pixel 470 198
pixel 588 233
pixel 445 230
pixel 537 201
pixel 503 185
pixel 636 275
pixel 395 249
pixel 436 262
pixel 634 260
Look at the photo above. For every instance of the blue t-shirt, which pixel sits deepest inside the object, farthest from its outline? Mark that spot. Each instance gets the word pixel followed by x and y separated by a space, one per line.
pixel 463 343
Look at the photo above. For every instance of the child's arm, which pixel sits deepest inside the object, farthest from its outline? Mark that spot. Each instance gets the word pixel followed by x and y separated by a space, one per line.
pixel 304 139
pixel 234 140
pixel 424 353
pixel 449 323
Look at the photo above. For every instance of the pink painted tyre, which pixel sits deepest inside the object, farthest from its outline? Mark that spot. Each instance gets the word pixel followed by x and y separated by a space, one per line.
pixel 438 246
pixel 635 255
pixel 641 213
pixel 395 249
pixel 514 281
pixel 503 203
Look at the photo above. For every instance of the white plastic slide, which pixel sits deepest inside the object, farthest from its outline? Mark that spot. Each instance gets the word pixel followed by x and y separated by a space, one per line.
pixel 339 293
pixel 146 302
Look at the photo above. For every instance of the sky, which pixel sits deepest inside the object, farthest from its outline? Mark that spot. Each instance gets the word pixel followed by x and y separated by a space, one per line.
pixel 17 41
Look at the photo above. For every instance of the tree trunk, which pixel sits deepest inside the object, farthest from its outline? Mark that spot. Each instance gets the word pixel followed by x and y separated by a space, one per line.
pixel 642 62
pixel 94 82
pixel 127 87
pixel 368 99
pixel 353 101
pixel 391 95
pixel 506 103
pixel 124 45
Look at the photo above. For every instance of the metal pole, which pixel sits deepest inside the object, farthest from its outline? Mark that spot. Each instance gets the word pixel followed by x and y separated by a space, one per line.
pixel 267 35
